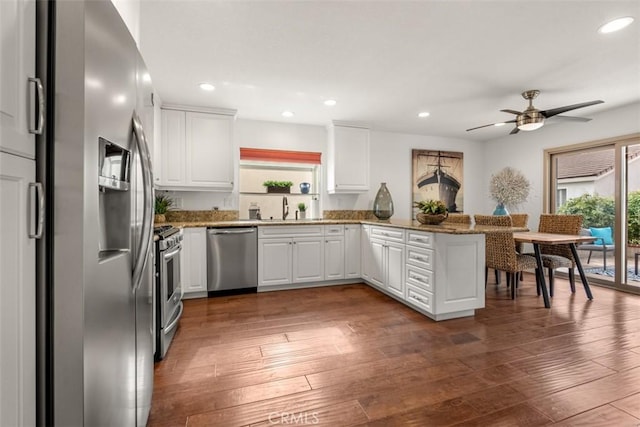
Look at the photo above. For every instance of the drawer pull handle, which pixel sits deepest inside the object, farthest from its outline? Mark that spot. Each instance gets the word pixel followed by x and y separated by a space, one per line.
pixel 418 258
pixel 417 239
pixel 419 279
pixel 417 298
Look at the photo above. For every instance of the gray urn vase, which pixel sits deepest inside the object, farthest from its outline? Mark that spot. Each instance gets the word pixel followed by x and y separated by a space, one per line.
pixel 383 203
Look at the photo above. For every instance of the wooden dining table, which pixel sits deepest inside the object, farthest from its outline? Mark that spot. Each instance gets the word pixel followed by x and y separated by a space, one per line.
pixel 537 239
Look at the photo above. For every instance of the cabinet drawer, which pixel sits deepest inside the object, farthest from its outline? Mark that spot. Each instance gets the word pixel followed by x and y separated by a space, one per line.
pixel 419 238
pixel 334 230
pixel 387 233
pixel 419 278
pixel 420 298
pixel 290 231
pixel 420 257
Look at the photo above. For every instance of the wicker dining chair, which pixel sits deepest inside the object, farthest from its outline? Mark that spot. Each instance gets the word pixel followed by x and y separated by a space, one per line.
pixel 519 220
pixel 501 255
pixel 496 221
pixel 559 256
pixel 458 219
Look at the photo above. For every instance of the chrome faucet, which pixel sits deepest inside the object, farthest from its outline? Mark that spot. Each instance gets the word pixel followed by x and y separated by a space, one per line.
pixel 285 207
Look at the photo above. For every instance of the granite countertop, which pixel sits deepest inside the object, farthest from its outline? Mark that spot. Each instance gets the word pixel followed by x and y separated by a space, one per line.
pixel 405 224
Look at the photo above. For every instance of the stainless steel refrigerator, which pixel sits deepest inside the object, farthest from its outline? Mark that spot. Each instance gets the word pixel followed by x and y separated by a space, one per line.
pixel 95 293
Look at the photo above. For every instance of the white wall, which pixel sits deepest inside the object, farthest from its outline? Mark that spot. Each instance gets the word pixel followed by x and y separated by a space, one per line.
pixel 525 151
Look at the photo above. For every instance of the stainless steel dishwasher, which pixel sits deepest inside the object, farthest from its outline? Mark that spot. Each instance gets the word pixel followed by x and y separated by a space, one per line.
pixel 232 260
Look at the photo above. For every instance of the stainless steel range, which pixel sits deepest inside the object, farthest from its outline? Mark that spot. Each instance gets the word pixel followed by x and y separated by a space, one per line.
pixel 168 287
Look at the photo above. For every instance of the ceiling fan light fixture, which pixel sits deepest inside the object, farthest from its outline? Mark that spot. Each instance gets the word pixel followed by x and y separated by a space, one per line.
pixel 615 25
pixel 530 126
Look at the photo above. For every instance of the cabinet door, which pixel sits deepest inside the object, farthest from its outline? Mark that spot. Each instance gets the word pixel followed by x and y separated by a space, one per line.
pixel 352 251
pixel 376 264
pixel 18 303
pixel 365 252
pixel 17 56
pixel 308 259
pixel 173 148
pixel 194 260
pixel 395 268
pixel 274 262
pixel 209 150
pixel 349 160
pixel 334 258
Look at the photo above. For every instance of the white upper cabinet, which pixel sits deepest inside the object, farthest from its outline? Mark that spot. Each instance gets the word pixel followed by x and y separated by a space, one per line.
pixel 196 150
pixel 348 158
pixel 18 95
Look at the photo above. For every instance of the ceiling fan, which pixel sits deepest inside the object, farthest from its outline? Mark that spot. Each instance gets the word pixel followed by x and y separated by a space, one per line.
pixel 532 118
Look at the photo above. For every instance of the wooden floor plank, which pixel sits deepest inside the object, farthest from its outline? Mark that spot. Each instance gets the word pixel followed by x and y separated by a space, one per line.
pixel 630 405
pixel 605 415
pixel 353 356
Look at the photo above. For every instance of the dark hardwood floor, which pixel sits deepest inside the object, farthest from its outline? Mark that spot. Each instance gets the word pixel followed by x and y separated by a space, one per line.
pixel 349 355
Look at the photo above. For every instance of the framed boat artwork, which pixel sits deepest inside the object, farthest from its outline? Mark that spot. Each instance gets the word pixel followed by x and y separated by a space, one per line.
pixel 437 175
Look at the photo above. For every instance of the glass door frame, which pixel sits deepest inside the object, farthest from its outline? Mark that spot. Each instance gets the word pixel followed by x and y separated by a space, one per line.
pixel 619 144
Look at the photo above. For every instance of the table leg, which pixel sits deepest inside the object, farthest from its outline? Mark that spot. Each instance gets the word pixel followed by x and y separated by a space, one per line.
pixel 540 273
pixel 583 277
pixel 637 255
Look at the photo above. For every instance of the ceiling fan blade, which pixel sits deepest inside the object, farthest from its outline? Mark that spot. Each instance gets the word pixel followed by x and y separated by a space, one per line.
pixel 514 131
pixel 560 110
pixel 569 119
pixel 511 111
pixel 492 124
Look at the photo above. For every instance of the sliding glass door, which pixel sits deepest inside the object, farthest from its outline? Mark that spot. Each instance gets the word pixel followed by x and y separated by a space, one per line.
pixel 601 181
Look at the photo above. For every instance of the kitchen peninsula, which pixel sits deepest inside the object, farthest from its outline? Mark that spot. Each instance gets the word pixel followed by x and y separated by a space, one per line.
pixel 437 270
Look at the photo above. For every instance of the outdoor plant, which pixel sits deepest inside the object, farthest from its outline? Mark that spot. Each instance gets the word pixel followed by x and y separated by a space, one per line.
pixel 596 211
pixel 431 207
pixel 162 204
pixel 302 207
pixel 509 187
pixel 282 184
pixel 633 212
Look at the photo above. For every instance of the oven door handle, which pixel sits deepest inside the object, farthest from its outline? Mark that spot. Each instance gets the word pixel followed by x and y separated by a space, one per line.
pixel 174 323
pixel 173 253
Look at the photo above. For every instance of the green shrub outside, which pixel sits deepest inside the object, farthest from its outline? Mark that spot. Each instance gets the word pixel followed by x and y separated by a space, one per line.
pixel 599 211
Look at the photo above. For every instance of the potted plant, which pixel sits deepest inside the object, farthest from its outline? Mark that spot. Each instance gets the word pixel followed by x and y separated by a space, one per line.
pixel 431 211
pixel 278 186
pixel 162 205
pixel 509 188
pixel 303 210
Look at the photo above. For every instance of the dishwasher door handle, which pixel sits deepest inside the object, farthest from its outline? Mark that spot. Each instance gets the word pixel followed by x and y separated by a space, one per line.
pixel 243 231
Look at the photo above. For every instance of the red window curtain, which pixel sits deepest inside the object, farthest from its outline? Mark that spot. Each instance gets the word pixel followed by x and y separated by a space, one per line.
pixel 280 156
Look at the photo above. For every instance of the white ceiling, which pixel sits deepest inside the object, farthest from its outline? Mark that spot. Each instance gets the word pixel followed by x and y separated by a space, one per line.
pixel 385 61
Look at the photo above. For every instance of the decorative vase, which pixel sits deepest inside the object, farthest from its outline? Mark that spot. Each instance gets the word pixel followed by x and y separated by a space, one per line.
pixel 500 210
pixel 430 219
pixel 383 204
pixel 303 214
pixel 304 187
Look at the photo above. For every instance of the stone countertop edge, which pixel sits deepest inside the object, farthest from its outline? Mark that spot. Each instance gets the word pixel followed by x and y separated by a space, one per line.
pixel 405 224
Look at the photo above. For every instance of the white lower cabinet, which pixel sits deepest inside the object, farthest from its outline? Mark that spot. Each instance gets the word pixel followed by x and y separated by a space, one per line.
pixel 308 259
pixel 352 253
pixel 444 273
pixel 290 254
pixel 334 257
pixel 193 273
pixel 366 254
pixel 387 266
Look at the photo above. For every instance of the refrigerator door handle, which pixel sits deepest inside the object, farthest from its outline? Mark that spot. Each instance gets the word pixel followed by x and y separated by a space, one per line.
pixel 39 211
pixel 40 92
pixel 146 235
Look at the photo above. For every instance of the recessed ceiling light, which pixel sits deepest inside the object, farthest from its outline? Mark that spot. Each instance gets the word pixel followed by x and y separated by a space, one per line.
pixel 424 114
pixel 330 102
pixel 207 86
pixel 287 114
pixel 499 124
pixel 615 25
pixel 119 99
